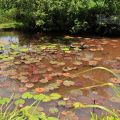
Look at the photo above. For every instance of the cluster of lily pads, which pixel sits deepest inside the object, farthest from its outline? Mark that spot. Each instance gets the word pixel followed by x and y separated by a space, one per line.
pixel 10 51
pixel 35 112
pixel 48 62
pixel 32 111
pixel 47 67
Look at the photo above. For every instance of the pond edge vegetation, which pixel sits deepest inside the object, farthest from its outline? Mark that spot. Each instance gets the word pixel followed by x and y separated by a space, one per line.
pixel 23 112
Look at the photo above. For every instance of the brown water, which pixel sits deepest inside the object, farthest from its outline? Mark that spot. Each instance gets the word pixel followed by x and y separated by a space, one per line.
pixel 103 52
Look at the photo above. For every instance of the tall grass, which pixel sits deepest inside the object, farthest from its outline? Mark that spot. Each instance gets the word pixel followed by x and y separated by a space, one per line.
pixel 114 87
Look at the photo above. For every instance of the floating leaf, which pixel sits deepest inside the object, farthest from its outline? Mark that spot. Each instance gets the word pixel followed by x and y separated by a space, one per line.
pixel 115 80
pixel 19 102
pixel 27 95
pixel 68 83
pixel 4 100
pixel 42 116
pixel 52 118
pixel 61 103
pixel 29 85
pixel 43 81
pixel 24 81
pixel 22 89
pixel 55 96
pixel 13 46
pixel 77 63
pixel 46 99
pixel 23 49
pixel 39 97
pixel 53 110
pixel 93 63
pixel 78 105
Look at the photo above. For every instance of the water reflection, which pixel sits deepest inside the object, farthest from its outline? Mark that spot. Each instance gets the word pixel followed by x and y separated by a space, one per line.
pixel 9 37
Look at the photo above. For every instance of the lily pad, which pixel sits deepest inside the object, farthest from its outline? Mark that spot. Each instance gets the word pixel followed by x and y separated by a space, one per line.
pixel 46 99
pixel 78 105
pixel 23 49
pixel 61 103
pixel 4 101
pixel 53 110
pixel 52 118
pixel 68 83
pixel 27 95
pixel 39 97
pixel 115 80
pixel 29 85
pixel 93 63
pixel 19 102
pixel 55 96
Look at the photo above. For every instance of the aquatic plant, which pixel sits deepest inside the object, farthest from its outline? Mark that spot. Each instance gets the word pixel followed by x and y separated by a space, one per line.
pixel 55 96
pixel 61 103
pixel 27 95
pixel 19 102
pixel 78 105
pixel 68 83
pixel 4 101
pixel 114 87
pixel 39 97
pixel 53 110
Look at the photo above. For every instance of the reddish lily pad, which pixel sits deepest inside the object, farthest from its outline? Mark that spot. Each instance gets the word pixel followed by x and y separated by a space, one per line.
pixel 43 80
pixel 68 83
pixel 115 80
pixel 22 89
pixel 93 63
pixel 24 81
pixel 29 85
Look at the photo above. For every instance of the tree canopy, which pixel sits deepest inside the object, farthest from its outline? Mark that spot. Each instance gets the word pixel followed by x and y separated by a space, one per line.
pixel 73 16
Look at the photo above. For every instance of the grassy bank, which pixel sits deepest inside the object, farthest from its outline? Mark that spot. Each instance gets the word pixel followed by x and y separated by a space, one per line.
pixel 12 25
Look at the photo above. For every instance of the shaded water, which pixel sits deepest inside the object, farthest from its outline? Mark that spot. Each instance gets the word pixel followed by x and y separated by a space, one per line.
pixel 38 66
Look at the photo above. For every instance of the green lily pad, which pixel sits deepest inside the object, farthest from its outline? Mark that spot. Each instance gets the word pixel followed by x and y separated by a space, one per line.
pixel 20 101
pixel 14 46
pixel 46 99
pixel 39 97
pixel 42 116
pixel 23 49
pixel 78 105
pixel 55 96
pixel 4 101
pixel 27 95
pixel 61 103
pixel 53 110
pixel 52 118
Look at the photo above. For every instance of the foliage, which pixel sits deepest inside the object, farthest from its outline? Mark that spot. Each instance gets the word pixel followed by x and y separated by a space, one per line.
pixel 76 16
pixel 29 112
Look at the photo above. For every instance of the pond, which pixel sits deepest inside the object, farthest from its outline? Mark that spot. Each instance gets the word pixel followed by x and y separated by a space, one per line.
pixel 62 64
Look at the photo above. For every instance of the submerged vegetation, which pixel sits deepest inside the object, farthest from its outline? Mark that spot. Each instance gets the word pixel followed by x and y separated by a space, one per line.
pixel 76 16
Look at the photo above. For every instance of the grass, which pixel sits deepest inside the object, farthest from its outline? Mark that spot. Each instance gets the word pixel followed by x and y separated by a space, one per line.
pixel 95 117
pixel 11 25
